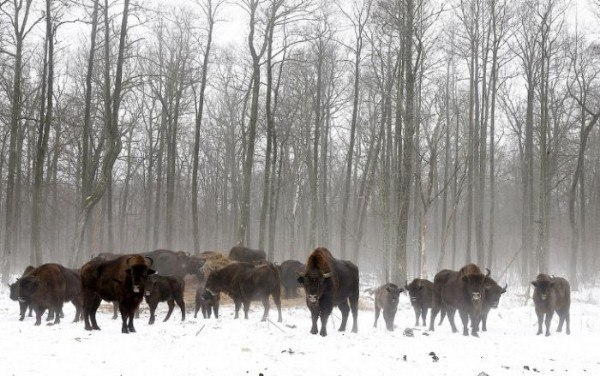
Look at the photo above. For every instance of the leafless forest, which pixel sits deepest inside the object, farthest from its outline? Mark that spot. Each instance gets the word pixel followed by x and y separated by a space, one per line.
pixel 406 135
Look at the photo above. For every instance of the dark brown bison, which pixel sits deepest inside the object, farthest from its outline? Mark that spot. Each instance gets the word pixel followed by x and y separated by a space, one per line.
pixel 161 288
pixel 420 292
pixel 289 270
pixel 329 282
pixel 246 282
pixel 207 303
pixel 463 291
pixel 386 299
pixel 167 262
pixel 552 294
pixel 14 295
pixel 493 293
pixel 122 280
pixel 45 288
pixel 243 254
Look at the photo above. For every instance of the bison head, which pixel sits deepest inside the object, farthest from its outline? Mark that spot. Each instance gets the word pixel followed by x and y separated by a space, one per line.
pixel 315 283
pixel 543 284
pixel 392 292
pixel 14 290
pixel 493 293
pixel 27 287
pixel 415 290
pixel 475 287
pixel 150 285
pixel 138 269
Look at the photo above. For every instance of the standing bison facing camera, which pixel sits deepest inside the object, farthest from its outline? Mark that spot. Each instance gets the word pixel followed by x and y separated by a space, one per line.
pixel 329 282
pixel 121 279
pixel 420 292
pixel 552 294
pixel 386 299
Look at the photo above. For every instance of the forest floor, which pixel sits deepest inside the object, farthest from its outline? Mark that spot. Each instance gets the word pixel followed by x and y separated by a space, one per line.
pixel 226 346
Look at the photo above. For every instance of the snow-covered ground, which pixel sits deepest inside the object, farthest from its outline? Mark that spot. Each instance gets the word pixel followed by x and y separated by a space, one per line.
pixel 249 347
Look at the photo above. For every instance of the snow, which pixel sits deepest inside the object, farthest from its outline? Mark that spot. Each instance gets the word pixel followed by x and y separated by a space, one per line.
pixel 249 347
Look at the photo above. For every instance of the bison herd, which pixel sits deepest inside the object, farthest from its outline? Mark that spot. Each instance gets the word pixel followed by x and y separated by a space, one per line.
pixel 245 275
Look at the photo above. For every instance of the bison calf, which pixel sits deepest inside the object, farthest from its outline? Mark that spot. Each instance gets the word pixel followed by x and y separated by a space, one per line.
pixel 386 299
pixel 161 288
pixel 552 294
pixel 289 270
pixel 206 302
pixel 420 292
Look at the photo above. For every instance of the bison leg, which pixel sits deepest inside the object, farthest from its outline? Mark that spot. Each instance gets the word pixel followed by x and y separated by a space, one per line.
pixel 130 323
pixel 475 319
pixel 171 304
pixel 344 309
pixel 434 311
pixel 181 304
pixel 216 310
pixel 484 316
pixel 152 304
pixel 38 315
pixel 115 310
pixel 388 316
pixel 30 309
pixel 50 315
pixel 417 314
pixel 354 308
pixel 266 306
pixel 324 318
pixel 77 303
pixel 540 316
pixel 464 317
pixel 451 312
pixel 277 299
pixel 205 311
pixel 424 315
pixel 246 303
pixel 58 311
pixel 377 313
pixel 548 321
pixel 237 305
pixel 314 315
pixel 23 309
pixel 125 319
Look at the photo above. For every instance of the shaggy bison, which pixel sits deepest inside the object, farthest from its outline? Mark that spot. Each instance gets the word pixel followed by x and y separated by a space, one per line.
pixel 289 270
pixel 246 282
pixel 47 287
pixel 161 288
pixel 14 294
pixel 552 294
pixel 386 299
pixel 243 254
pixel 329 282
pixel 420 292
pixel 121 279
pixel 208 304
pixel 463 291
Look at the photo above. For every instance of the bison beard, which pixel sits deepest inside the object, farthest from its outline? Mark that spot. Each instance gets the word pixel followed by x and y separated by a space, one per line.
pixel 463 291
pixel 329 282
pixel 121 279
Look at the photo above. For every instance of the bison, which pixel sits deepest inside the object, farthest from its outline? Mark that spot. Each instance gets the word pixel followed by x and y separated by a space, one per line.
pixel 121 279
pixel 167 262
pixel 420 292
pixel 209 304
pixel 46 287
pixel 195 262
pixel 386 299
pixel 289 270
pixel 329 282
pixel 463 291
pixel 493 293
pixel 243 254
pixel 14 295
pixel 160 288
pixel 246 282
pixel 552 294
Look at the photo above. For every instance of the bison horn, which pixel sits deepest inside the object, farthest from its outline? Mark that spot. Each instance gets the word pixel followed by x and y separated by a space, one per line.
pixel 327 275
pixel 488 272
pixel 505 286
pixel 151 262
